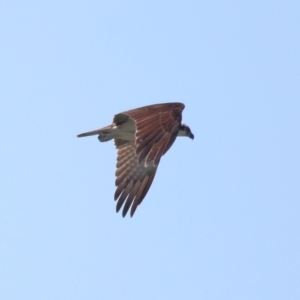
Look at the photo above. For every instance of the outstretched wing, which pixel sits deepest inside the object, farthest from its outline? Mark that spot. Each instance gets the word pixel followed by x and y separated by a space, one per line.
pixel 133 178
pixel 156 128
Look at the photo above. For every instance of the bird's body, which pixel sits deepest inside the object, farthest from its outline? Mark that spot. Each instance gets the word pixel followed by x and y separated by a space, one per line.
pixel 142 136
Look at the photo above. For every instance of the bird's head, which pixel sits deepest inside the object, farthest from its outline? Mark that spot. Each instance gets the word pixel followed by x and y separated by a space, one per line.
pixel 185 130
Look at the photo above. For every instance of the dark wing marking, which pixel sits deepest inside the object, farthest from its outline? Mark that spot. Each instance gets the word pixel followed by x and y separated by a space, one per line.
pixel 120 119
pixel 157 127
pixel 133 178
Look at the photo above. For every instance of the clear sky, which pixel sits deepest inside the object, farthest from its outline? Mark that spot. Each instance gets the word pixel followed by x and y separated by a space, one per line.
pixel 221 220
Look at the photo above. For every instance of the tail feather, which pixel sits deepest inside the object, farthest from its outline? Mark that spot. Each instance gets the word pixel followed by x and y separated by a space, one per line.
pixel 94 132
pixel 105 133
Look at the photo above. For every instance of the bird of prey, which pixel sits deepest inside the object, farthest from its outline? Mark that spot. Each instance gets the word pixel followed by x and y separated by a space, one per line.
pixel 142 136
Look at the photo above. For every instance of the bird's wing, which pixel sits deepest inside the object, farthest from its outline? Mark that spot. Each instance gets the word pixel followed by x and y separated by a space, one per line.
pixel 133 178
pixel 157 127
pixel 156 130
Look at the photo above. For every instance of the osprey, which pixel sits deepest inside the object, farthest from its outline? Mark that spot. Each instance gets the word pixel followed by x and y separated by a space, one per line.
pixel 142 136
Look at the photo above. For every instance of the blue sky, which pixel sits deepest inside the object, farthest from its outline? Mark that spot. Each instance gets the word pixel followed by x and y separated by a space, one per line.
pixel 221 220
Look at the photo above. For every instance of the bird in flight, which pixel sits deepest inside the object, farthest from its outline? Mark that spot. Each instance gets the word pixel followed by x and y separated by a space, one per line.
pixel 142 136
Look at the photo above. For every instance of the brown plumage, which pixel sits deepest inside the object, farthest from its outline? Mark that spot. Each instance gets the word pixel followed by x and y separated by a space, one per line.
pixel 142 136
